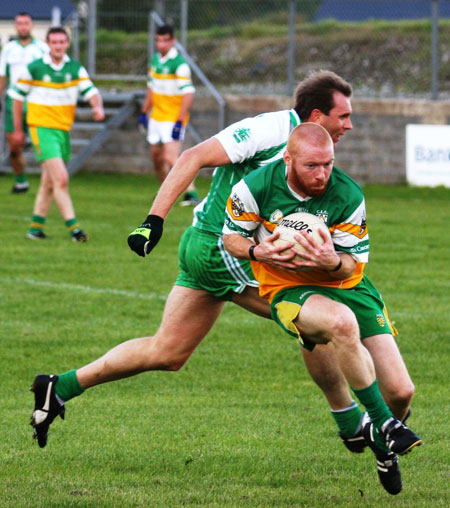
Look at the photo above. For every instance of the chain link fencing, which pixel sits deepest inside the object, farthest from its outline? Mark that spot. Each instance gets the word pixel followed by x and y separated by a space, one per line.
pixel 245 46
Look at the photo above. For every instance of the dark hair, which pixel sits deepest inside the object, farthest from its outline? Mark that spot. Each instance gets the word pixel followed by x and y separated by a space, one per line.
pixel 57 30
pixel 316 92
pixel 165 29
pixel 24 14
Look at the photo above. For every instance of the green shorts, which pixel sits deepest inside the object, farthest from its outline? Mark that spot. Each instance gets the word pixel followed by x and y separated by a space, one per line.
pixel 205 264
pixel 9 120
pixel 363 299
pixel 50 143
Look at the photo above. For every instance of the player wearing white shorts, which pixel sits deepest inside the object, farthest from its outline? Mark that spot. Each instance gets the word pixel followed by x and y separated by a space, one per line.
pixel 170 93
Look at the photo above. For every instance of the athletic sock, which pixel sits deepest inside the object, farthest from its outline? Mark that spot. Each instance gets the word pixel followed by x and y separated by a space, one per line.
pixel 72 226
pixel 37 224
pixel 348 420
pixel 192 194
pixel 22 178
pixel 372 400
pixel 67 387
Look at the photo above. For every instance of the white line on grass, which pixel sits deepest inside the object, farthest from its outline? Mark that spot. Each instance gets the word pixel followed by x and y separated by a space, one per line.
pixel 87 289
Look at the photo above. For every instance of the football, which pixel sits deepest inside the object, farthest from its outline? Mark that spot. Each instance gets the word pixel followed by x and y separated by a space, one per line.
pixel 294 223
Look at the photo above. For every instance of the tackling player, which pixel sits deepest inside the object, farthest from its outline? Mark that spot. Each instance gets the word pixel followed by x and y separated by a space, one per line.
pixel 210 279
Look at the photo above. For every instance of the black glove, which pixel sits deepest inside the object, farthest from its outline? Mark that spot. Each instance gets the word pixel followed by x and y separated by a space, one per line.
pixel 176 131
pixel 146 236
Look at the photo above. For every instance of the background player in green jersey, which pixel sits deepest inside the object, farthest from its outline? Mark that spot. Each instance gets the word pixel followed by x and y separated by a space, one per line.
pixel 14 58
pixel 51 85
pixel 333 302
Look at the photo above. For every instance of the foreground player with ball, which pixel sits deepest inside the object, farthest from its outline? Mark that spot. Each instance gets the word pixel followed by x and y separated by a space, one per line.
pixel 333 302
pixel 209 277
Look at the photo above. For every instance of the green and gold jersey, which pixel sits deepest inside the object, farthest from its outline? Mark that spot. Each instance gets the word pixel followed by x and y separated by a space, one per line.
pixel 52 92
pixel 169 78
pixel 261 200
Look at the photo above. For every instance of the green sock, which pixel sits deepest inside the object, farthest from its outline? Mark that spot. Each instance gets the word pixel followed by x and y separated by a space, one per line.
pixel 67 387
pixel 20 178
pixel 192 194
pixel 37 223
pixel 348 420
pixel 372 400
pixel 72 225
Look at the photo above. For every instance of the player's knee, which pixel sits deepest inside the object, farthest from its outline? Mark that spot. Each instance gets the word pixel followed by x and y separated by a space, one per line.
pixel 167 358
pixel 401 396
pixel 62 182
pixel 343 326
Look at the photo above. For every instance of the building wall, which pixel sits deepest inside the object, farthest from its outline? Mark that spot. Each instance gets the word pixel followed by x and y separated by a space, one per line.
pixel 373 152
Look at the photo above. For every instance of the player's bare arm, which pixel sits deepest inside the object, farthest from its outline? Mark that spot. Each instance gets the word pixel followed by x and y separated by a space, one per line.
pixel 210 153
pixel 186 104
pixel 2 83
pixel 323 256
pixel 96 103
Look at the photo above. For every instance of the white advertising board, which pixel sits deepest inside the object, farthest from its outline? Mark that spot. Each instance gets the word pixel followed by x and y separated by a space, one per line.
pixel 428 155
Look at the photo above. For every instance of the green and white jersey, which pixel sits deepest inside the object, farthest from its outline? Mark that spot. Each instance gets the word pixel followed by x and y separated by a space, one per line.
pixel 261 200
pixel 250 144
pixel 15 58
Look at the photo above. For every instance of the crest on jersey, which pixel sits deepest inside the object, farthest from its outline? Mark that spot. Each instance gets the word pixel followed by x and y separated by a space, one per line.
pixel 276 216
pixel 68 77
pixel 46 78
pixel 241 135
pixel 363 227
pixel 322 214
pixel 380 320
pixel 237 208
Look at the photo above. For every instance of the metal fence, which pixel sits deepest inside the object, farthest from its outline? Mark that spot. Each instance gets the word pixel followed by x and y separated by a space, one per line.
pixel 266 46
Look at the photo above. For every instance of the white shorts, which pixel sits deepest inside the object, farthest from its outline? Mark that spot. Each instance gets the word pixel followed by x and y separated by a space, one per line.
pixel 161 132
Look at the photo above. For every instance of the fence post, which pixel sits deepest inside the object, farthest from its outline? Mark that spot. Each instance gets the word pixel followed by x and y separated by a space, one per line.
pixel 76 36
pixel 291 48
pixel 434 49
pixel 92 26
pixel 184 23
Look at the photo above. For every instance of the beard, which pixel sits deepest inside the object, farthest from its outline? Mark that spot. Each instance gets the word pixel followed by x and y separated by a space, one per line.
pixel 302 188
pixel 24 37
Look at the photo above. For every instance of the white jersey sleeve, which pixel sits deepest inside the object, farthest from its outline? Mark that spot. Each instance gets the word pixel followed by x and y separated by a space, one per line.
pixel 261 134
pixel 3 61
pixel 352 235
pixel 85 85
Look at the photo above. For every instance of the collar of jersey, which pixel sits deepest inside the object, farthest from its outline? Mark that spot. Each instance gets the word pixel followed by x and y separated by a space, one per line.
pixel 172 53
pixel 48 60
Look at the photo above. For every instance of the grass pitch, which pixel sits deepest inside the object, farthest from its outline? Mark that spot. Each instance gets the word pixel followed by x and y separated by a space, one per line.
pixel 242 425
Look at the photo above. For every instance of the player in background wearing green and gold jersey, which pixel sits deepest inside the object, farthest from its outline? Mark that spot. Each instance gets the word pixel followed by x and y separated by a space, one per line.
pixel 14 58
pixel 170 94
pixel 51 86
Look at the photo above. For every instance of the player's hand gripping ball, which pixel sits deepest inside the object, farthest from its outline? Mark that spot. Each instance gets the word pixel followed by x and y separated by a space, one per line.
pixel 293 224
pixel 144 238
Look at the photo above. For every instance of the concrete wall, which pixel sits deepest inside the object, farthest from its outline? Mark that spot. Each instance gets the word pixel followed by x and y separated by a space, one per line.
pixel 374 151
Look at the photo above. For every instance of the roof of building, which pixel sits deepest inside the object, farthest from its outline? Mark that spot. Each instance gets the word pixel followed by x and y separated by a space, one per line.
pixel 41 9
pixel 362 10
